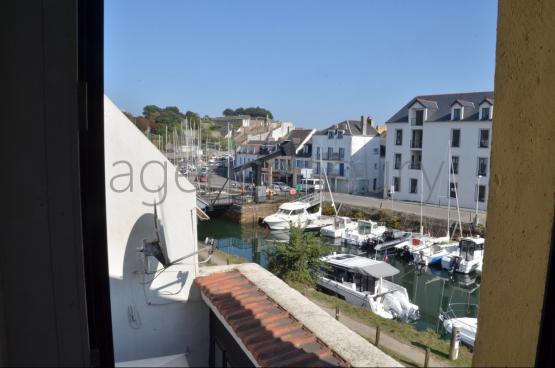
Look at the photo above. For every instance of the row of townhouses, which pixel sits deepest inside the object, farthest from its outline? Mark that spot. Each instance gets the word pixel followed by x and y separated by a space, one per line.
pixel 435 148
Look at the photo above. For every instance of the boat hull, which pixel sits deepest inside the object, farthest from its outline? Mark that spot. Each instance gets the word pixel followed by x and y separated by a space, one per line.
pixel 467 327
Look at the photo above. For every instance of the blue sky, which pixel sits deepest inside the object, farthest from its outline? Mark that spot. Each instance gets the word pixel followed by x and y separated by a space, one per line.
pixel 310 62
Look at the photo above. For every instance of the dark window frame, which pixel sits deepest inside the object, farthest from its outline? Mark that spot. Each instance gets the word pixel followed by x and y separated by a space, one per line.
pixel 483 173
pixel 397 184
pixel 455 163
pixel 458 141
pixel 413 186
pixel 397 162
pixel 398 137
pixel 485 116
pixel 455 111
pixel 481 140
pixel 481 198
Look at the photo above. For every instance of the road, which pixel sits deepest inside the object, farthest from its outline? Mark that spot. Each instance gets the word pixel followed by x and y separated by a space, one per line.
pixel 428 210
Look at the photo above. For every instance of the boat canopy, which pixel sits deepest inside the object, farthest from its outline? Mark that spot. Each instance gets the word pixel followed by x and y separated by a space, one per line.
pixel 377 270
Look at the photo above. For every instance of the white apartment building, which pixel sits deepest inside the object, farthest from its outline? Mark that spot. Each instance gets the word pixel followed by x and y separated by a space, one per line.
pixel 350 153
pixel 420 138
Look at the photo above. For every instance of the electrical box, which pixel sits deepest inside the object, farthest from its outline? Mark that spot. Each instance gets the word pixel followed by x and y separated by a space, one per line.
pixel 260 195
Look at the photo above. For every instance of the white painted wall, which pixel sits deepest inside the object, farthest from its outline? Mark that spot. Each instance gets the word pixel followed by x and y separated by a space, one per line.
pixel 434 161
pixel 362 161
pixel 169 319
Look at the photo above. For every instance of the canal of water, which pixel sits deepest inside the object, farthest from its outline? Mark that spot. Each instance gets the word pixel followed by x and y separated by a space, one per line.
pixel 431 289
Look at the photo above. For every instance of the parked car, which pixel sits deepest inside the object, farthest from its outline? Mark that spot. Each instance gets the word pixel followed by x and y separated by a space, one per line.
pixel 312 185
pixel 279 185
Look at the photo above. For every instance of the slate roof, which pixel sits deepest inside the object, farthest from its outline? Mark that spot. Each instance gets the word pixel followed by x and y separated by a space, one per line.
pixel 439 106
pixel 351 127
pixel 268 331
pixel 298 135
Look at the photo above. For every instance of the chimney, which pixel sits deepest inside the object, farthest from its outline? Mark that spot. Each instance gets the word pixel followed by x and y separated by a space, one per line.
pixel 363 124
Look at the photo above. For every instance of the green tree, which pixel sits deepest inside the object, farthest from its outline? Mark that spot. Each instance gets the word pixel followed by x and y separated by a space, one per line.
pixel 193 117
pixel 251 111
pixel 151 111
pixel 299 260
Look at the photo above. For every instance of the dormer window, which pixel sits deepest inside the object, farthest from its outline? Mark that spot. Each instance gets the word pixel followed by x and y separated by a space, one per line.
pixel 330 134
pixel 418 117
pixel 485 113
pixel 339 134
pixel 457 113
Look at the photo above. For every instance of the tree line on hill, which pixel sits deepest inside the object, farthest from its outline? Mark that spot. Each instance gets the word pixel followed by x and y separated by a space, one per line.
pixel 254 112
pixel 158 120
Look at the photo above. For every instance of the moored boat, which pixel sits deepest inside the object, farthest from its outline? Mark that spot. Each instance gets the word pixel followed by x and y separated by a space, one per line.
pixel 467 258
pixel 365 231
pixel 361 281
pixel 291 214
pixel 338 227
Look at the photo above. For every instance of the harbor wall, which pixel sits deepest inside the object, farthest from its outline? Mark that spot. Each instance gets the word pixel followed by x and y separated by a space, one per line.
pixel 250 213
pixel 255 212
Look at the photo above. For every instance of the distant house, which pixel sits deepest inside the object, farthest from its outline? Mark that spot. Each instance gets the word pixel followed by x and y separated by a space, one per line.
pixel 290 169
pixel 349 152
pixel 419 139
pixel 283 168
pixel 238 120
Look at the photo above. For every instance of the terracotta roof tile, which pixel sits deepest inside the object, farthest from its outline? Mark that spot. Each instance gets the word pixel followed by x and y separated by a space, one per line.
pixel 270 333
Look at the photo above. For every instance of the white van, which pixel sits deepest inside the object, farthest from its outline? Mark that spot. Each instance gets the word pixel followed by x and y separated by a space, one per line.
pixel 312 185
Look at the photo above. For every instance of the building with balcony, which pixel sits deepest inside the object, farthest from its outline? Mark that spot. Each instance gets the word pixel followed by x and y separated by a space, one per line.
pixel 425 133
pixel 288 169
pixel 291 169
pixel 349 152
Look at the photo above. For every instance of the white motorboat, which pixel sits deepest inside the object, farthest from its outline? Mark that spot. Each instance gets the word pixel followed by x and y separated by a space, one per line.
pixel 390 239
pixel 467 325
pixel 418 242
pixel 291 214
pixel 467 258
pixel 338 227
pixel 315 224
pixel 433 253
pixel 360 281
pixel 365 231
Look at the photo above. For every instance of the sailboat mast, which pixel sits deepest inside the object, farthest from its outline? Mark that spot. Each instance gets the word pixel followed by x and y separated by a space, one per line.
pixel 456 197
pixel 421 198
pixel 448 187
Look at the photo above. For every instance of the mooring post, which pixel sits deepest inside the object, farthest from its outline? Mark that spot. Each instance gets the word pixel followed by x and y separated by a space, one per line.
pixel 455 340
pixel 377 341
pixel 427 357
pixel 337 312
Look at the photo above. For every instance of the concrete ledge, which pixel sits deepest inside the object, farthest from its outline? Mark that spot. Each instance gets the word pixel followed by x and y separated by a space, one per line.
pixel 348 344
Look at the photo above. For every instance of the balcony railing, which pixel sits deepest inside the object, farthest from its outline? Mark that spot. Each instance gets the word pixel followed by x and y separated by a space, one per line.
pixel 416 143
pixel 334 173
pixel 417 122
pixel 333 156
pixel 415 166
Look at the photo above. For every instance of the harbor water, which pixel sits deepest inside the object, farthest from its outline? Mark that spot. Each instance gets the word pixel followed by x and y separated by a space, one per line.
pixel 431 289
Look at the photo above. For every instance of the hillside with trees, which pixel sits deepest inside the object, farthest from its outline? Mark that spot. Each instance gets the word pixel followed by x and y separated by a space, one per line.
pixel 158 119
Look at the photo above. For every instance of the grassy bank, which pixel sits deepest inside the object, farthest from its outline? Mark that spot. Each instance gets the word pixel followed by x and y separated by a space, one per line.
pixel 403 332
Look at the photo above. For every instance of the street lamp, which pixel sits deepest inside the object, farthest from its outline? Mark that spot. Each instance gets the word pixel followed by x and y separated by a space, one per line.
pixel 477 198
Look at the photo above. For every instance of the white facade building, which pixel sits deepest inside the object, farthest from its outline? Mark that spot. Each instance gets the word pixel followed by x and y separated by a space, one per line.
pixel 350 154
pixel 422 135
